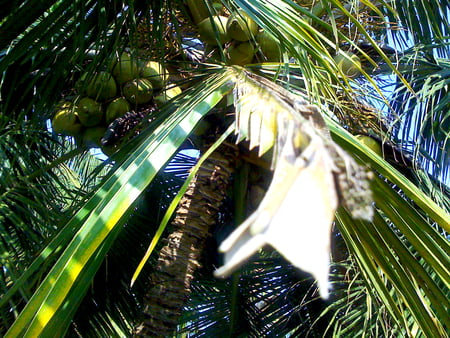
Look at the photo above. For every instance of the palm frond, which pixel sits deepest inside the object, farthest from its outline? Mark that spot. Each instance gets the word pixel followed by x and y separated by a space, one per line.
pixel 97 222
pixel 406 218
pixel 432 28
pixel 438 192
pixel 354 311
pixel 34 204
pixel 422 118
pixel 104 312
pixel 380 275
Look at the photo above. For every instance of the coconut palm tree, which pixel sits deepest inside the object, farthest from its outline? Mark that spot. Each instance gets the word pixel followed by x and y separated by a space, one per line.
pixel 129 245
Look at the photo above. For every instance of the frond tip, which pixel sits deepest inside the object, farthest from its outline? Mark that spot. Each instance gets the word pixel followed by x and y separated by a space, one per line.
pixel 312 176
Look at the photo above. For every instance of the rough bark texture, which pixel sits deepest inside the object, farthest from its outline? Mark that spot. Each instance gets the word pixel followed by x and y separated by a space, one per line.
pixel 179 258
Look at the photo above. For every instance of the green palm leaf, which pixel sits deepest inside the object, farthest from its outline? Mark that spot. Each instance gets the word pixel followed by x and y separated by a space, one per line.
pixel 426 110
pixel 400 258
pixel 99 219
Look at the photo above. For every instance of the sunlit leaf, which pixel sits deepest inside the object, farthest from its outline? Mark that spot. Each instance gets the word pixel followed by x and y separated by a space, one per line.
pixel 118 192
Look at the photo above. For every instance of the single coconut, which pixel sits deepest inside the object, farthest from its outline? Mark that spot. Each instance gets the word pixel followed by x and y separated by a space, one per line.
pixel 240 54
pixel 256 195
pixel 167 95
pixel 269 46
pixel 116 108
pixel 126 68
pixel 155 72
pixel 214 31
pixel 138 91
pixel 102 87
pixel 89 112
pixel 371 143
pixel 199 10
pixel 241 27
pixel 66 121
pixel 92 136
pixel 348 63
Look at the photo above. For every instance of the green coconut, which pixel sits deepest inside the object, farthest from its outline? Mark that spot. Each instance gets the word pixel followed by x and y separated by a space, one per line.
pixel 65 121
pixel 348 63
pixel 371 143
pixel 155 72
pixel 126 68
pixel 199 10
pixel 102 87
pixel 240 54
pixel 269 46
pixel 116 108
pixel 89 112
pixel 208 33
pixel 138 91
pixel 241 27
pixel 256 195
pixel 167 95
pixel 92 136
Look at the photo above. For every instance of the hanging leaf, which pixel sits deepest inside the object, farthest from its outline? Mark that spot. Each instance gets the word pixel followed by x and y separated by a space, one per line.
pixel 312 175
pixel 303 191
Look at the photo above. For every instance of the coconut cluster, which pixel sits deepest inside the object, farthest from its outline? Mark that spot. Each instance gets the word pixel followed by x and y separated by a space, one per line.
pixel 243 42
pixel 129 84
pixel 236 33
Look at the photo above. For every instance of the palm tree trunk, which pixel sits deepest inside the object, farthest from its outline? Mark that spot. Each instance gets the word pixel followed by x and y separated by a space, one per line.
pixel 170 282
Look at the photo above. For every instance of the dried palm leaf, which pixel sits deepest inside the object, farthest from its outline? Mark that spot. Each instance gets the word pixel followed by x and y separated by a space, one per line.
pixel 312 176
